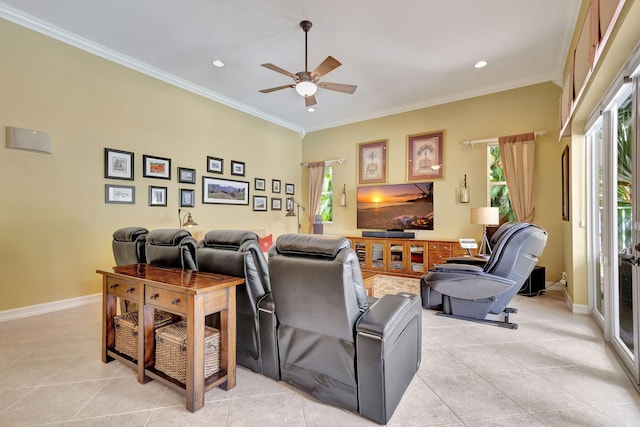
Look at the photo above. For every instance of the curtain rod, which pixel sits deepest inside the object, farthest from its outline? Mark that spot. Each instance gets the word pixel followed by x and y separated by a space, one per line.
pixel 326 162
pixel 495 139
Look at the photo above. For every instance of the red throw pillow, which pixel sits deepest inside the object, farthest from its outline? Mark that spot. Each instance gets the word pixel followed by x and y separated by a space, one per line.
pixel 266 242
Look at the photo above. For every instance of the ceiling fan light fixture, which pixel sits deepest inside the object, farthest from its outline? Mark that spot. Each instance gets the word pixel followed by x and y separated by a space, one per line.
pixel 311 109
pixel 306 88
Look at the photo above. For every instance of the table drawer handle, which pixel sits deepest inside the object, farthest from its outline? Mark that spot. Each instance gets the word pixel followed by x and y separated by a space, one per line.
pixel 154 296
pixel 175 301
pixel 114 286
pixel 131 290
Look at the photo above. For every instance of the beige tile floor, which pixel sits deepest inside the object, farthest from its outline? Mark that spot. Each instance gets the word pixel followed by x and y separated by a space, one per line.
pixel 555 370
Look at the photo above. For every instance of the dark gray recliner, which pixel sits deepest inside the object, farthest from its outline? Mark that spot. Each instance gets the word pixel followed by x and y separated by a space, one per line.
pixel 471 292
pixel 334 343
pixel 171 248
pixel 129 248
pixel 238 253
pixel 128 245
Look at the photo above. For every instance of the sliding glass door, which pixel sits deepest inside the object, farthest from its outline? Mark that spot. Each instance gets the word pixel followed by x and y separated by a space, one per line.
pixel 614 228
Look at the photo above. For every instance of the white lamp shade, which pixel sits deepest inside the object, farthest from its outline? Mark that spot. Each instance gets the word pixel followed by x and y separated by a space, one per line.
pixel 306 88
pixel 485 216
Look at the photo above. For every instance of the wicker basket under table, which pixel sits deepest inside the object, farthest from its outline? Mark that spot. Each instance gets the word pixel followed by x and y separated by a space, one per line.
pixel 126 328
pixel 171 350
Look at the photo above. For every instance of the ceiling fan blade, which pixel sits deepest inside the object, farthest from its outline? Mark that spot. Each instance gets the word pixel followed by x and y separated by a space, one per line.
pixel 338 87
pixel 273 89
pixel 327 65
pixel 310 100
pixel 280 70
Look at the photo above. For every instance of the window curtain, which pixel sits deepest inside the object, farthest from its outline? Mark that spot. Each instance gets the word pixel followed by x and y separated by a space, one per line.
pixel 518 153
pixel 316 179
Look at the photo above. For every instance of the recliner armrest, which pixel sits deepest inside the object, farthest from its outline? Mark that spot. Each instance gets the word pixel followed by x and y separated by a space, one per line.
pixel 385 315
pixel 458 267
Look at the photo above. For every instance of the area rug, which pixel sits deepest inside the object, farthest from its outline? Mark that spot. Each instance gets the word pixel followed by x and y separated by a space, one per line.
pixel 383 284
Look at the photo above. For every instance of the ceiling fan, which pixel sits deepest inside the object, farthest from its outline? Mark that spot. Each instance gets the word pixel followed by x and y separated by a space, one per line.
pixel 307 83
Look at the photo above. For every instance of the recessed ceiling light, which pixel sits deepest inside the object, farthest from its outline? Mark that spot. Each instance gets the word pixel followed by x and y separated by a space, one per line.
pixel 481 64
pixel 311 109
pixel 217 63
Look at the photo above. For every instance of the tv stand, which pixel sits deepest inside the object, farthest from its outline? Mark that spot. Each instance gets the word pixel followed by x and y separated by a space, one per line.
pixel 403 256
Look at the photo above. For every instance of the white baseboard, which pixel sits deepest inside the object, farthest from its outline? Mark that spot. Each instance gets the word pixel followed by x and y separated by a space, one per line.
pixel 575 308
pixel 34 310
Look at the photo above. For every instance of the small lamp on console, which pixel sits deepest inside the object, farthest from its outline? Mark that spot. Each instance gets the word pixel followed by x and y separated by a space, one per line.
pixel 485 216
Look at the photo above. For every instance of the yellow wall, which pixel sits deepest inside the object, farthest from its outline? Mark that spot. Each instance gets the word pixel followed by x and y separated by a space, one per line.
pixel 521 110
pixel 56 228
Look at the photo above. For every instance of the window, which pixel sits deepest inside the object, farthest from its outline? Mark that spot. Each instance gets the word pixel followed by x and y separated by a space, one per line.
pixel 326 201
pixel 498 191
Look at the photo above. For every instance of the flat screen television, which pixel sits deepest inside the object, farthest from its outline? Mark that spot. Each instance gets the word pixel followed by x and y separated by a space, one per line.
pixel 396 206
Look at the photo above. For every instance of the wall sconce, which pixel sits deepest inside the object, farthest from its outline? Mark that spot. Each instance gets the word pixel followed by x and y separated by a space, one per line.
pixel 343 195
pixel 290 212
pixel 464 192
pixel 185 220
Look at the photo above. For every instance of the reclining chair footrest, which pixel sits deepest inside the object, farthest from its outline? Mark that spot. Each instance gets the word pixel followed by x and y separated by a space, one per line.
pixel 502 324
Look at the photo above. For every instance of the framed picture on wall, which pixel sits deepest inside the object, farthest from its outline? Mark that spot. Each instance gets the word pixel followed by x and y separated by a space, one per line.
pixel 259 184
pixel 215 164
pixel 372 162
pixel 156 167
pixel 237 168
pixel 187 198
pixel 259 203
pixel 276 204
pixel 224 191
pixel 289 189
pixel 275 185
pixel 124 194
pixel 186 176
pixel 424 156
pixel 118 164
pixel 157 196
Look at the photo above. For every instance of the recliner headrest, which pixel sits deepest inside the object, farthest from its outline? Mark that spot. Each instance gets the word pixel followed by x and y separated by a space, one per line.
pixel 129 234
pixel 166 237
pixel 228 239
pixel 311 244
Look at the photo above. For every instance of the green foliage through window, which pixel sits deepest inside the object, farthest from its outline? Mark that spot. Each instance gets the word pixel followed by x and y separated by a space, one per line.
pixel 326 201
pixel 498 191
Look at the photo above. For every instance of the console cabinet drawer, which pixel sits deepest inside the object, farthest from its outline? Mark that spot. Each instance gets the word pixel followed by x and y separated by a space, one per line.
pixel 122 288
pixel 161 298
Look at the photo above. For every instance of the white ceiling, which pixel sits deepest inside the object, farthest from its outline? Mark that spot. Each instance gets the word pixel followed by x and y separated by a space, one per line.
pixel 402 55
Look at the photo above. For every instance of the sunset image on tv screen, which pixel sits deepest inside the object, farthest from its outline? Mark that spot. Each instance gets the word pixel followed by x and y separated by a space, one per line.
pixel 396 207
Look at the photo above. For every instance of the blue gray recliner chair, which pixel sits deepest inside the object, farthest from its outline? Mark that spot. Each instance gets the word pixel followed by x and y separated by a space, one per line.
pixel 333 341
pixel 238 253
pixel 473 293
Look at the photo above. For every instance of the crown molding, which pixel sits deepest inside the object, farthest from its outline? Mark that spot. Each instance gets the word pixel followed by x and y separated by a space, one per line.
pixel 25 20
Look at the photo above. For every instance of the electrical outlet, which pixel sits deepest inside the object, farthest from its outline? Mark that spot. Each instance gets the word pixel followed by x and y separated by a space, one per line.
pixel 563 279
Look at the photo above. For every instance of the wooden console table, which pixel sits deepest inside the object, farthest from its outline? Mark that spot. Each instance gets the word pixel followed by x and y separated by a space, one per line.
pixel 186 293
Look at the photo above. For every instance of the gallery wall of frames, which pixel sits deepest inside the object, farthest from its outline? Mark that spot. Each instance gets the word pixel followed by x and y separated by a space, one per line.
pixel 217 186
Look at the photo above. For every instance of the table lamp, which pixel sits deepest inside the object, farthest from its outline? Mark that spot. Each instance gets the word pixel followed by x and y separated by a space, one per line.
pixel 485 216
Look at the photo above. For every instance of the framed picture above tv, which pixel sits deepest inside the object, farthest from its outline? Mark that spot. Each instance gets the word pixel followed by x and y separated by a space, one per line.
pixel 395 206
